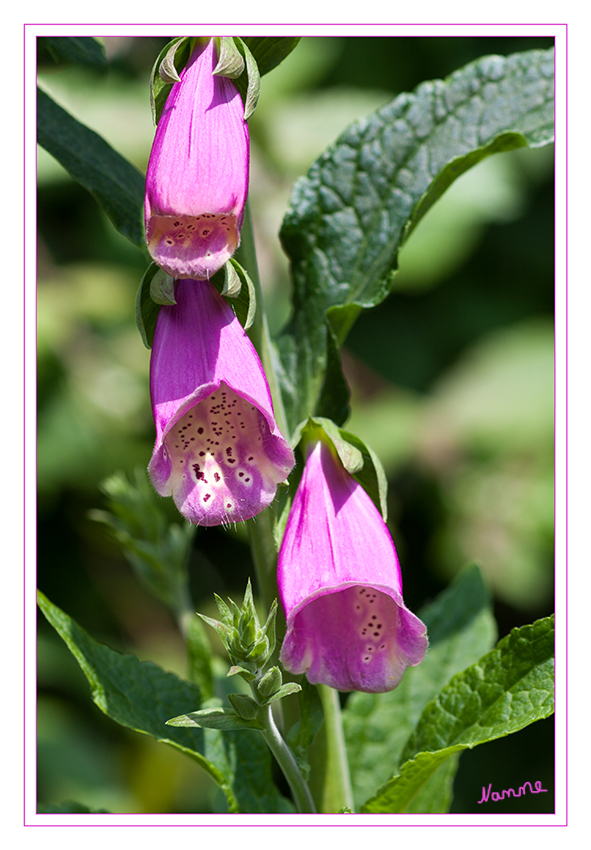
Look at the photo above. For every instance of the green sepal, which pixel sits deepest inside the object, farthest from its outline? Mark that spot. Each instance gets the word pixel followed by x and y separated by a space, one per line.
pixel 284 691
pixel 372 475
pixel 214 718
pixel 230 62
pixel 357 457
pixel 233 281
pixel 250 88
pixel 146 309
pixel 170 61
pixel 162 289
pixel 245 707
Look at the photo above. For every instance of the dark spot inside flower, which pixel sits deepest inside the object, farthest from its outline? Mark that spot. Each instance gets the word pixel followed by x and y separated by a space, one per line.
pixel 207 497
pixel 200 430
pixel 216 476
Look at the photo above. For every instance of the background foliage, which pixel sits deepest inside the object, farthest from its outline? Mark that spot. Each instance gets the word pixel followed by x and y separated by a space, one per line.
pixel 451 380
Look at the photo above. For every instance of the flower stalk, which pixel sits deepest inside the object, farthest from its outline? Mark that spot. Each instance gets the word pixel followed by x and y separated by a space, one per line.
pixel 299 789
pixel 337 792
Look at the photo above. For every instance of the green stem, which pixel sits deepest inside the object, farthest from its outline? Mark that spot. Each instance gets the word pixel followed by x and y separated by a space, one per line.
pixel 264 554
pixel 259 332
pixel 300 791
pixel 337 791
pixel 260 529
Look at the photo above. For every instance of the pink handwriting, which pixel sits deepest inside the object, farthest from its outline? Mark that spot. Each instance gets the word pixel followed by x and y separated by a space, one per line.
pixel 509 792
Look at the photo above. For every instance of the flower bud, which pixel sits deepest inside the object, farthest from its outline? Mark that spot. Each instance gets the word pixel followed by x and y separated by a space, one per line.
pixel 271 682
pixel 244 706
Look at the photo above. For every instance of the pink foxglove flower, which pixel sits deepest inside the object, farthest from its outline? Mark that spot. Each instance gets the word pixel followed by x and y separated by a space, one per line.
pixel 340 585
pixel 218 451
pixel 197 179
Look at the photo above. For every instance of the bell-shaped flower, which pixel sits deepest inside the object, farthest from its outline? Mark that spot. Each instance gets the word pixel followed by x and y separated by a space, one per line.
pixel 197 179
pixel 218 451
pixel 340 586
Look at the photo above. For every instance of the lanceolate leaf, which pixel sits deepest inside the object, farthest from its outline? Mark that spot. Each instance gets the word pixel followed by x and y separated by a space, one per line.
pixel 361 199
pixel 508 689
pixel 81 50
pixel 115 183
pixel 142 696
pixel 269 52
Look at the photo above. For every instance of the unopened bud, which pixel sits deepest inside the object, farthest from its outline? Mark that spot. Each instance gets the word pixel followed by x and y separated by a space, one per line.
pixel 244 706
pixel 271 682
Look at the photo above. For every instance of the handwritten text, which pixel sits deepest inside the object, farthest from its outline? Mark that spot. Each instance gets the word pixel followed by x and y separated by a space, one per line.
pixel 510 792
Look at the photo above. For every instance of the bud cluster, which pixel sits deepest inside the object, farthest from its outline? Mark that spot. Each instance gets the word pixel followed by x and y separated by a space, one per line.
pixel 250 647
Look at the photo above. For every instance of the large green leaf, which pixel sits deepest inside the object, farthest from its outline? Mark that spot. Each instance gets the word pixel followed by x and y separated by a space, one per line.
pixel 77 50
pixel 362 198
pixel 461 629
pixel 142 696
pixel 115 183
pixel 508 689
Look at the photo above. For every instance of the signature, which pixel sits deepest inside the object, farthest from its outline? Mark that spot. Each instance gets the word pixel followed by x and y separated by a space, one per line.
pixel 510 792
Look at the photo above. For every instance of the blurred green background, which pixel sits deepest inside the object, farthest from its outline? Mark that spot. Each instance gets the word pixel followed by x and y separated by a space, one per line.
pixel 451 379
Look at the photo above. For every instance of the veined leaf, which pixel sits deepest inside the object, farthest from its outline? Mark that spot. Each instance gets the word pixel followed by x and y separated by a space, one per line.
pixel 508 689
pixel 142 696
pixel 362 198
